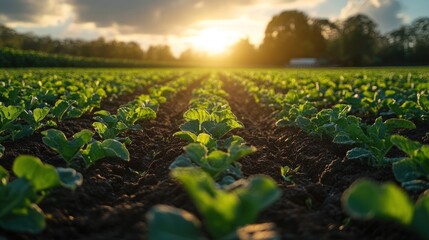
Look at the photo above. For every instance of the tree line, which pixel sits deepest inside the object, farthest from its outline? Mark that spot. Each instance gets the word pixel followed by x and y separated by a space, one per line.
pixel 98 48
pixel 355 41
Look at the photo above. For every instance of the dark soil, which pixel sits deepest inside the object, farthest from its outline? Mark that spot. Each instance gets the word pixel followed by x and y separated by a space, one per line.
pixel 116 195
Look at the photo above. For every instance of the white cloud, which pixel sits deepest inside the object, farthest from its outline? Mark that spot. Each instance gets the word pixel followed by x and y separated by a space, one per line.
pixel 386 13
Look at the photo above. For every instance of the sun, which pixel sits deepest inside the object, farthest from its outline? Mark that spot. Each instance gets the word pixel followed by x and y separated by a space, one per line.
pixel 212 41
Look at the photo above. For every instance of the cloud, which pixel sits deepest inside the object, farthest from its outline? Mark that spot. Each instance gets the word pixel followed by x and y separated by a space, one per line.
pixel 154 17
pixel 386 13
pixel 29 10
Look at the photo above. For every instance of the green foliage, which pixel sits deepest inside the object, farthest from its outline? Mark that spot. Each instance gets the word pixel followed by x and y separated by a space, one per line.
pixel 217 123
pixel 223 211
pixel 108 148
pixel 82 146
pixel 412 172
pixel 373 141
pixel 222 166
pixel 1 150
pixel 19 198
pixel 368 200
pixel 68 149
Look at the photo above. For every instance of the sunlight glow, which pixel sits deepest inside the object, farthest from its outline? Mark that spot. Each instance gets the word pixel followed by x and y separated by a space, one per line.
pixel 213 41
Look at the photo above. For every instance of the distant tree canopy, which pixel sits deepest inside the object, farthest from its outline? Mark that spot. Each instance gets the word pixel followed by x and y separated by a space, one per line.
pixel 292 34
pixel 356 41
pixel 99 48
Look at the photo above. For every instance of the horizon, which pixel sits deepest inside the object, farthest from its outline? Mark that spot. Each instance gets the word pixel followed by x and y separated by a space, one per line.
pixel 188 24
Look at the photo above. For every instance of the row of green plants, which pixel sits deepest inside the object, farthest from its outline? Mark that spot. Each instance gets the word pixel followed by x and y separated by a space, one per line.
pixel 35 100
pixel 33 179
pixel 211 174
pixel 84 149
pixel 402 93
pixel 364 199
pixel 26 58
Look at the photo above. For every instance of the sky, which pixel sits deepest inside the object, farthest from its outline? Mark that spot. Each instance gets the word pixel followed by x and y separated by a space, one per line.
pixel 204 25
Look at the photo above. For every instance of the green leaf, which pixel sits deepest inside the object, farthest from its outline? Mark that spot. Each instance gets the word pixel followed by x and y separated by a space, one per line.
pixel 257 194
pixel 406 145
pixel 366 200
pixel 191 126
pixel 67 149
pixel 224 211
pixel 4 176
pixel 196 151
pixel 207 140
pixel 60 108
pixel 40 113
pixel 395 123
pixel 238 150
pixel 1 150
pixel 196 114
pixel 41 176
pixel 69 178
pixel 406 170
pixel 343 138
pixel 421 216
pixel 108 148
pixel 167 222
pixel 31 220
pixel 187 136
pixel 357 153
pixel 180 161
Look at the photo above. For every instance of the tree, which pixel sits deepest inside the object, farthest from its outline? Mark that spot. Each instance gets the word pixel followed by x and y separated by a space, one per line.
pixel 159 53
pixel 359 39
pixel 243 52
pixel 420 42
pixel 292 34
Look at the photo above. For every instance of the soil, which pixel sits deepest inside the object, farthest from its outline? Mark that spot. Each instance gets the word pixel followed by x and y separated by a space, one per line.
pixel 115 195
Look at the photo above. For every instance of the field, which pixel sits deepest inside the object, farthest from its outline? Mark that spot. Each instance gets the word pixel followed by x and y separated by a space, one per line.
pixel 229 153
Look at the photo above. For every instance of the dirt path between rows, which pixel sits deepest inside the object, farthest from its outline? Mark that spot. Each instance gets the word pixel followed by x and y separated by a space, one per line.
pixel 115 196
pixel 309 208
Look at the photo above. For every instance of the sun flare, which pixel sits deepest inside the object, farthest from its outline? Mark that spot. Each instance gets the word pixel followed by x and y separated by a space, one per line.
pixel 212 41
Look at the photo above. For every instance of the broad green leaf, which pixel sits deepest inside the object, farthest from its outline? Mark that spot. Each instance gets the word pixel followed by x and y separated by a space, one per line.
pixel 40 113
pixel 343 138
pixel 180 161
pixel 238 150
pixel 15 196
pixel 406 170
pixel 31 220
pixel 167 222
pixel 196 114
pixel 224 211
pixel 60 108
pixel 4 176
pixel 187 136
pixel 207 140
pixel 357 153
pixel 1 150
pixel 67 149
pixel 406 145
pixel 216 130
pixel 108 148
pixel 394 123
pixel 366 200
pixel 41 176
pixel 69 178
pixel 257 194
pixel 421 215
pixel 191 126
pixel 196 151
